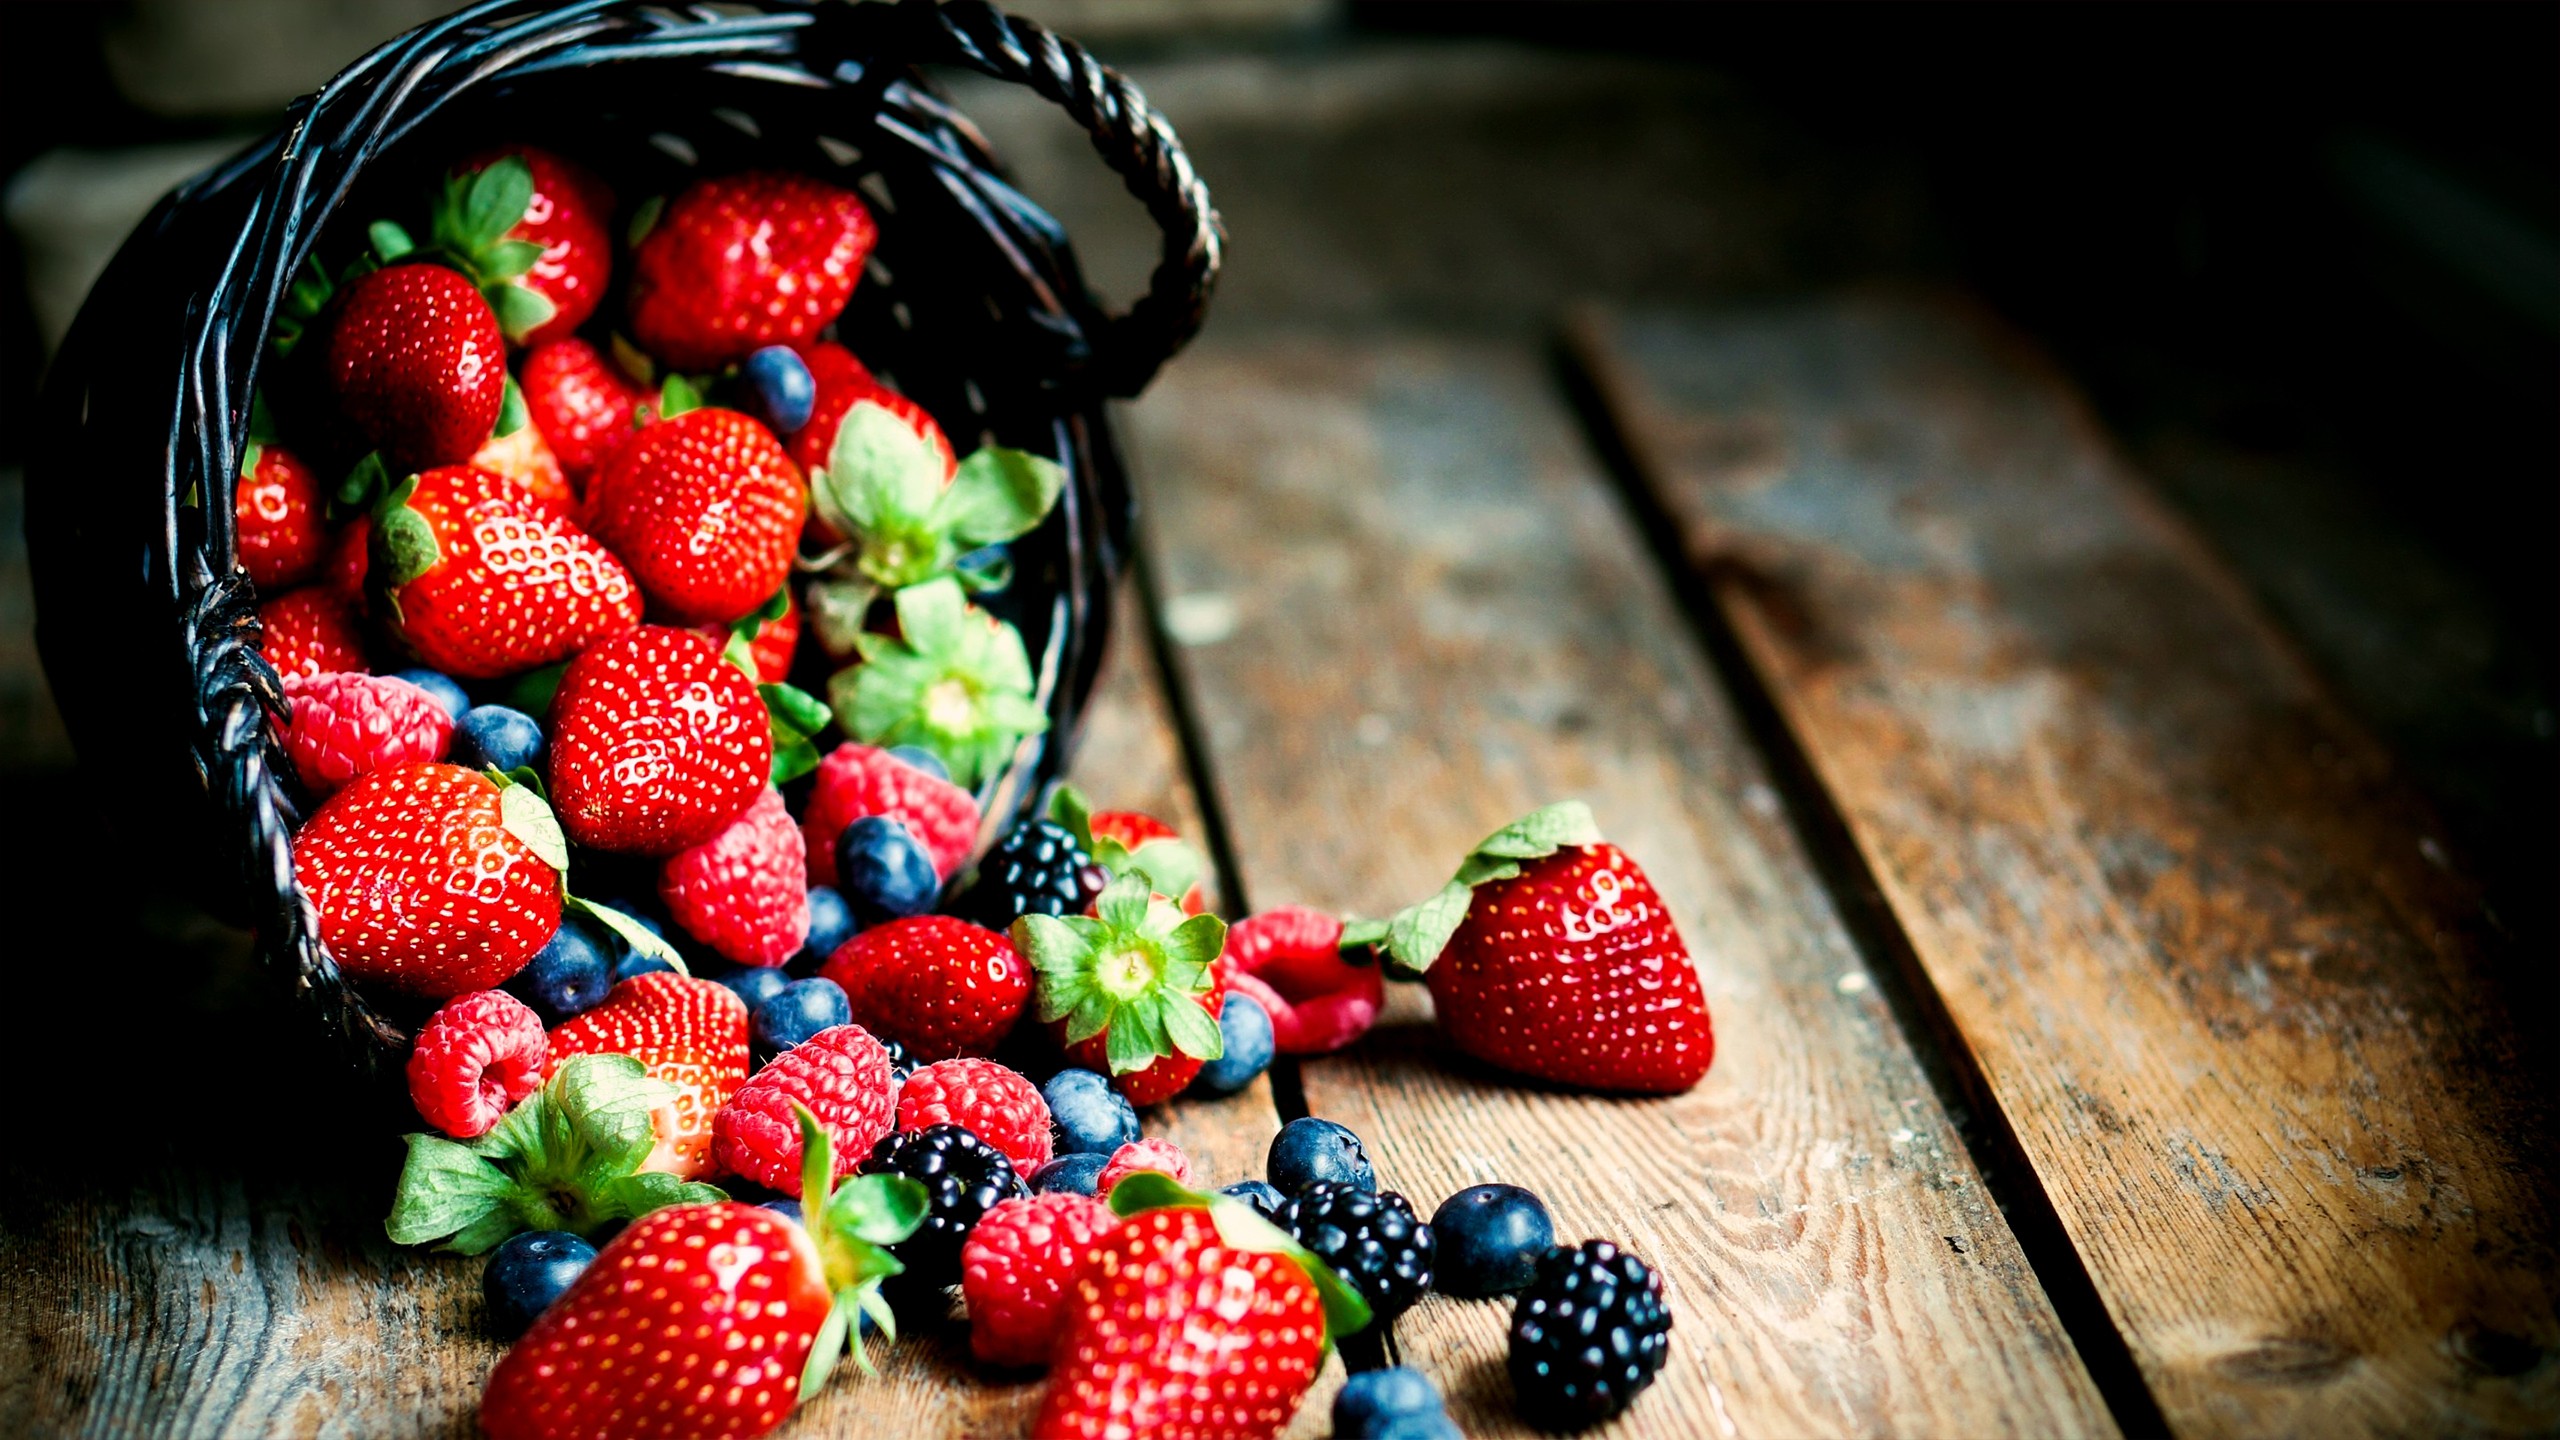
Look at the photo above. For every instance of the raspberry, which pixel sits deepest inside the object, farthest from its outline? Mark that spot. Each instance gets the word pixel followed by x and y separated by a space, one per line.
pixel 311 631
pixel 342 725
pixel 860 780
pixel 1290 960
pixel 1159 1155
pixel 474 1059
pixel 1015 1267
pixel 996 1104
pixel 841 1074
pixel 743 892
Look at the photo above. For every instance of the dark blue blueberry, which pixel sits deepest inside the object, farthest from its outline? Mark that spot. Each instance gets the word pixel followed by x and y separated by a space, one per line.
pixel 1079 1174
pixel 1487 1240
pixel 1247 1027
pixel 635 963
pixel 780 390
pixel 439 685
pixel 884 871
pixel 528 1273
pixel 830 924
pixel 799 1010
pixel 1265 1199
pixel 785 1207
pixel 1092 1118
pixel 755 984
pixel 496 738
pixel 1435 1426
pixel 917 757
pixel 1373 1399
pixel 568 976
pixel 1310 1151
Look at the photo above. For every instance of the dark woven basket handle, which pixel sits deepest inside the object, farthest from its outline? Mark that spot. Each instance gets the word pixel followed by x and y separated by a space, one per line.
pixel 1132 139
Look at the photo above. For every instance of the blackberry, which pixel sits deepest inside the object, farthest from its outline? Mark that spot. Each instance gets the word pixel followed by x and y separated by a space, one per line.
pixel 1374 1241
pixel 1036 869
pixel 964 1177
pixel 1589 1333
pixel 901 1064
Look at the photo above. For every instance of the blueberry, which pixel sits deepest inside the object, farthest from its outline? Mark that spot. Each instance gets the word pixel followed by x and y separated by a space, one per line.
pixel 1371 1400
pixel 1078 1174
pixel 786 1207
pixel 528 1273
pixel 1247 1027
pixel 799 1010
pixel 1487 1240
pixel 568 976
pixel 1435 1426
pixel 1092 1118
pixel 780 389
pixel 755 984
pixel 1265 1200
pixel 496 738
pixel 1310 1151
pixel 830 924
pixel 916 757
pixel 883 870
pixel 441 687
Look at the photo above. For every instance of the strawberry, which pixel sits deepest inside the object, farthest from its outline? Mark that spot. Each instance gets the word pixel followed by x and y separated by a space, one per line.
pixel 770 644
pixel 842 380
pixel 474 1059
pixel 350 559
pixel 277 511
pixel 940 986
pixel 992 1101
pixel 856 781
pixel 431 878
pixel 739 262
pixel 690 1033
pixel 1291 961
pixel 744 892
pixel 1014 1270
pixel 415 360
pixel 1551 955
pixel 1152 1154
pixel 954 680
pixel 842 1075
pixel 583 406
pixel 311 631
pixel 483 581
pixel 1131 842
pixel 706 510
pixel 1132 990
pixel 522 457
pixel 340 726
pixel 656 743
pixel 531 227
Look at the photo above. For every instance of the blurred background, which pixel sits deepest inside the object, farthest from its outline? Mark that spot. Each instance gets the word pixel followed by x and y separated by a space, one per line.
pixel 2305 259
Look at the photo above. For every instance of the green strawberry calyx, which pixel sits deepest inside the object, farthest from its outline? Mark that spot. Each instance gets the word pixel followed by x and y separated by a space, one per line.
pixel 470 229
pixel 1170 866
pixel 1414 936
pixel 882 488
pixel 954 680
pixel 1346 1311
pixel 525 812
pixel 854 1226
pixel 1133 973
pixel 565 1158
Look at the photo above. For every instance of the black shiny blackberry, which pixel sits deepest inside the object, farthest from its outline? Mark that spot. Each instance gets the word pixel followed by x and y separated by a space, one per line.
pixel 901 1064
pixel 1374 1241
pixel 1037 869
pixel 964 1177
pixel 1588 1334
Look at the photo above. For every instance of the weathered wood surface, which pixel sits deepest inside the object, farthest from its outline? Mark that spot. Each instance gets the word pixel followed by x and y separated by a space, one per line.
pixel 1409 611
pixel 2203 944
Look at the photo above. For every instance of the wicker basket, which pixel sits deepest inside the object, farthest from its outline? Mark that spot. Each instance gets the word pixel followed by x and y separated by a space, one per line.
pixel 972 303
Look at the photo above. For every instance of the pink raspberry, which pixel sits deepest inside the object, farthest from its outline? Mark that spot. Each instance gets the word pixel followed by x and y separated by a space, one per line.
pixel 1162 1156
pixel 1015 1267
pixel 841 1074
pixel 345 723
pixel 743 892
pixel 474 1059
pixel 1291 960
pixel 996 1104
pixel 862 780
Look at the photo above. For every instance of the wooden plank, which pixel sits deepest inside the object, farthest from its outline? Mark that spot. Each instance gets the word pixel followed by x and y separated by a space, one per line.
pixel 2206 949
pixel 1410 612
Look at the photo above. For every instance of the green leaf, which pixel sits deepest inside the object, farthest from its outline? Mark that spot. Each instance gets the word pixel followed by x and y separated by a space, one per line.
pixel 1170 867
pixel 511 411
pixel 521 310
pixel 498 196
pixel 1418 933
pixel 1068 807
pixel 825 1351
pixel 524 815
pixel 444 1187
pixel 998 494
pixel 389 241
pixel 365 485
pixel 797 708
pixel 531 691
pixel 643 220
pixel 1122 905
pixel 985 570
pixel 817 1161
pixel 633 362
pixel 882 473
pixel 676 395
pixel 956 681
pixel 1145 1190
pixel 249 453
pixel 510 258
pixel 631 932
pixel 879 1209
pixel 636 1195
pixel 1193 1032
pixel 1363 934
pixel 931 617
pixel 1543 832
pixel 835 610
pixel 408 544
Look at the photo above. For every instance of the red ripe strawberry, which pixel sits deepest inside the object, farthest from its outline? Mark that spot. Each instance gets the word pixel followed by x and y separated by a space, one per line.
pixel 342 725
pixel 1291 961
pixel 656 743
pixel 771 646
pixel 856 781
pixel 1565 965
pixel 705 509
pixel 744 891
pixel 991 1101
pixel 484 581
pixel 744 261
pixel 415 360
pixel 432 879
pixel 523 458
pixel 1014 1270
pixel 350 558
pixel 583 406
pixel 1133 990
pixel 277 510
pixel 841 1075
pixel 842 380
pixel 1152 1153
pixel 311 631
pixel 691 1033
pixel 566 213
pixel 1170 1330
pixel 940 986
pixel 474 1059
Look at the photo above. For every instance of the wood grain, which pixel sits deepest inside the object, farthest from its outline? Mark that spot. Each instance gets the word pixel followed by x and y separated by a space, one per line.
pixel 1412 612
pixel 2209 953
